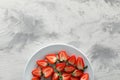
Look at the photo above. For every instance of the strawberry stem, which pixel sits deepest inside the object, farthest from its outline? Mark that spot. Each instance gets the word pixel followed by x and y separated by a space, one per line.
pixel 84 68
pixel 60 76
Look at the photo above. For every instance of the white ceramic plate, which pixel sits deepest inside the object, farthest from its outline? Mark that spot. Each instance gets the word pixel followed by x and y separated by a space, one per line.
pixel 53 49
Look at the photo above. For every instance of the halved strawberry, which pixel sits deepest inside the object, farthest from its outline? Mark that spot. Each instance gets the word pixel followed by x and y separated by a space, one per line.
pixel 72 60
pixel 60 66
pixel 77 73
pixel 36 72
pixel 69 68
pixel 35 78
pixel 66 76
pixel 62 55
pixel 80 63
pixel 51 58
pixel 74 78
pixel 85 76
pixel 47 71
pixel 55 76
pixel 42 63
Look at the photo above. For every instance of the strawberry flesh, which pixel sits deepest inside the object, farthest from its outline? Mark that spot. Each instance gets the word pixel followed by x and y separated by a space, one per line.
pixel 36 72
pixel 35 78
pixel 66 76
pixel 42 63
pixel 80 63
pixel 60 66
pixel 51 58
pixel 77 73
pixel 47 71
pixel 55 76
pixel 62 55
pixel 74 78
pixel 85 76
pixel 69 69
pixel 72 60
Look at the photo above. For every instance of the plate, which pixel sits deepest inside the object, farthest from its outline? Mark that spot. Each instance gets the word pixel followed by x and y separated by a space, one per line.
pixel 54 48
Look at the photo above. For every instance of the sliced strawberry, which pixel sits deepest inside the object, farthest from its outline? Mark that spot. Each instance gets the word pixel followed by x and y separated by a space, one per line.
pixel 47 71
pixel 60 66
pixel 85 76
pixel 69 69
pixel 77 73
pixel 66 76
pixel 55 76
pixel 42 63
pixel 72 60
pixel 80 63
pixel 62 55
pixel 74 78
pixel 36 72
pixel 35 78
pixel 51 58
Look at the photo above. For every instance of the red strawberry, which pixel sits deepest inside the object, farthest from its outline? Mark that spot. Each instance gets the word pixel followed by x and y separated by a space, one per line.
pixel 35 78
pixel 51 58
pixel 72 60
pixel 42 63
pixel 69 69
pixel 47 71
pixel 55 76
pixel 80 63
pixel 60 66
pixel 66 76
pixel 74 78
pixel 62 55
pixel 85 76
pixel 36 72
pixel 77 73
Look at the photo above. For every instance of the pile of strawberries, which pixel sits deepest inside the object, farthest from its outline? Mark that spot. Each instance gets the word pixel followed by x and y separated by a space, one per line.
pixel 60 67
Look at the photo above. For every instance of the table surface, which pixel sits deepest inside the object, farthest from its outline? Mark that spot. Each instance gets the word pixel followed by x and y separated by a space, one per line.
pixel 90 25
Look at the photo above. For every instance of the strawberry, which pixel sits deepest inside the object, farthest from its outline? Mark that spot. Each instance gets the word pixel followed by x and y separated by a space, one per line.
pixel 36 72
pixel 77 73
pixel 74 78
pixel 69 69
pixel 80 63
pixel 60 66
pixel 62 55
pixel 35 78
pixel 85 76
pixel 47 71
pixel 66 67
pixel 66 76
pixel 72 60
pixel 55 76
pixel 52 58
pixel 42 63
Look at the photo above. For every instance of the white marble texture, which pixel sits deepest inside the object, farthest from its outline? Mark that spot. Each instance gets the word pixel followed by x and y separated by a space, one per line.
pixel 91 25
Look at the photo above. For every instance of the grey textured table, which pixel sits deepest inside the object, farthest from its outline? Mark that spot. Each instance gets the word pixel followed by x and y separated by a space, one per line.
pixel 91 25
